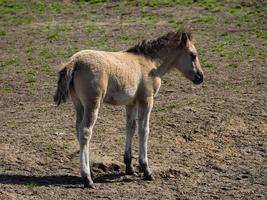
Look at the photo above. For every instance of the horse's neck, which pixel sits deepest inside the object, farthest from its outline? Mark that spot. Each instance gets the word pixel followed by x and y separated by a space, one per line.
pixel 166 62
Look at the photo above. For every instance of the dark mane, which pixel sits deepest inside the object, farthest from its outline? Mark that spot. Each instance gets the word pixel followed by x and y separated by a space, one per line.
pixel 150 48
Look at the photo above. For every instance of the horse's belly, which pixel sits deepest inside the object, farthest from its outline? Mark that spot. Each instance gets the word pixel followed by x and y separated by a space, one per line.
pixel 120 97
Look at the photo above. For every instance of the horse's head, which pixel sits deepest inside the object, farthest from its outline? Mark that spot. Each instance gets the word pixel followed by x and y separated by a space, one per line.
pixel 187 61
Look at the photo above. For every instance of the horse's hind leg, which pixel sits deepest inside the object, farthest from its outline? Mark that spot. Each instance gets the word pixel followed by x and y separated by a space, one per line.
pixel 78 109
pixel 85 133
pixel 131 113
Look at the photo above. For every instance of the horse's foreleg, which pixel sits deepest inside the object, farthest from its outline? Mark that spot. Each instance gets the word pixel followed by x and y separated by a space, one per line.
pixel 144 110
pixel 131 113
pixel 85 133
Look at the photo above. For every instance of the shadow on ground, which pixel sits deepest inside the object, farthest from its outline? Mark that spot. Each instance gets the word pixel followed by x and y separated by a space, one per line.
pixel 58 180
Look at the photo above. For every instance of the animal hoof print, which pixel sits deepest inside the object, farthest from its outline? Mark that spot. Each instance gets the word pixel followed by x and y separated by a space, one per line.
pixel 149 177
pixel 88 183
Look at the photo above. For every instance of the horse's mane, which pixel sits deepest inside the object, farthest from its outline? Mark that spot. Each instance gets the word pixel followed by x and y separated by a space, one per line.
pixel 150 48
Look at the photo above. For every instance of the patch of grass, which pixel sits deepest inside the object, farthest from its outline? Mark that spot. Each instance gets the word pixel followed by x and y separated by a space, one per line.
pixel 6 88
pixel 206 64
pixel 93 1
pixel 211 5
pixel 53 35
pixel 70 50
pixel 31 185
pixel 55 7
pixel 167 106
pixel 204 19
pixel 93 11
pixel 53 32
pixel 231 86
pixel 45 68
pixel 233 37
pixel 31 76
pixel 234 45
pixel 248 82
pixel 89 27
pixel 172 21
pixel 156 3
pixel 217 47
pixel 5 63
pixel 100 42
pixel 150 18
pixel 21 12
pixel 36 135
pixel 261 33
pixel 167 80
pixel 50 147
pixel 233 65
pixel 2 33
pixel 250 51
pixel 209 65
pixel 45 54
pixel 234 9
pixel 236 52
pixel 124 37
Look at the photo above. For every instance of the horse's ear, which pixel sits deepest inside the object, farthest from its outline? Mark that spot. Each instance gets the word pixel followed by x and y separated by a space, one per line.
pixel 184 40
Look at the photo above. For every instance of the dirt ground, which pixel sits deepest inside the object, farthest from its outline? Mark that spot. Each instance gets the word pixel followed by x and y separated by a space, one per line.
pixel 206 142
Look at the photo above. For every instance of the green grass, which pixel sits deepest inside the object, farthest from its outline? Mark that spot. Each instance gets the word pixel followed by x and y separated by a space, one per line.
pixel 45 68
pixel 70 50
pixel 165 106
pixel 231 47
pixel 100 42
pixel 31 185
pixel 53 35
pixel 228 84
pixel 204 19
pixel 261 33
pixel 54 31
pixel 2 33
pixel 6 88
pixel 206 64
pixel 167 80
pixel 31 76
pixel 89 27
pixel 46 54
pixel 8 62
pixel 50 147
pixel 93 1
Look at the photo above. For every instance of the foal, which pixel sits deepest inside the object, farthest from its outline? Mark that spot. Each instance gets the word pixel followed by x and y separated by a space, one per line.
pixel 131 78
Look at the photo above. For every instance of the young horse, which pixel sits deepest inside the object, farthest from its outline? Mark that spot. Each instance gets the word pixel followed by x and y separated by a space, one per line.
pixel 131 78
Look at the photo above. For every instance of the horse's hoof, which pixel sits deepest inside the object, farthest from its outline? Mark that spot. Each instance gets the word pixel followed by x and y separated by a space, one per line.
pixel 149 177
pixel 88 183
pixel 129 171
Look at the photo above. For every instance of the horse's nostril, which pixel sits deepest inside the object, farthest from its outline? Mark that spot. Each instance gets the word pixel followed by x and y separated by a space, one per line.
pixel 198 78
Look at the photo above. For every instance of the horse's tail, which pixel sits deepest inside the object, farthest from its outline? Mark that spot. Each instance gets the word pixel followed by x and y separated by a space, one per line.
pixel 65 78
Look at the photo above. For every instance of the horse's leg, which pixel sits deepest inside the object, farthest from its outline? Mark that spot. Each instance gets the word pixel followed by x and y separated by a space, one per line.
pixel 131 112
pixel 85 133
pixel 78 109
pixel 144 110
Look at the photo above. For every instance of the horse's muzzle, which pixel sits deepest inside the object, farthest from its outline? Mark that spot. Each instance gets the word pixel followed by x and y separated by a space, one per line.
pixel 199 77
